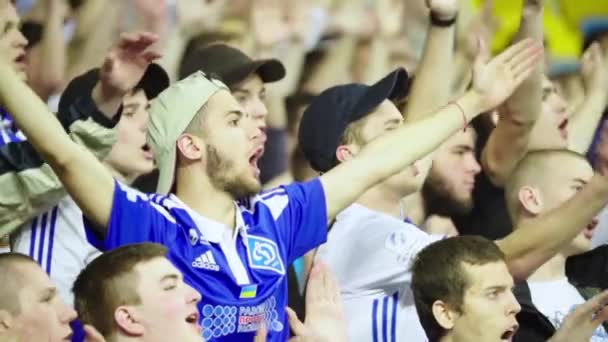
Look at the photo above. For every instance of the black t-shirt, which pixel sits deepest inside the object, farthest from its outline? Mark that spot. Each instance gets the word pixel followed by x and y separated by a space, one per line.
pixel 489 217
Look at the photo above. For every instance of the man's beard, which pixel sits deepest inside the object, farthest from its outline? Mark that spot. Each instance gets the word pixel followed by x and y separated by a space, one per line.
pixel 439 199
pixel 221 174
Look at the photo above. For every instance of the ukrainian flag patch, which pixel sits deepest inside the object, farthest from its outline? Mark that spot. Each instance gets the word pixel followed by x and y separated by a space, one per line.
pixel 249 291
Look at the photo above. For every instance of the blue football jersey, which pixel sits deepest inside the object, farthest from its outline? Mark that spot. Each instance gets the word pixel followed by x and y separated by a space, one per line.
pixel 241 273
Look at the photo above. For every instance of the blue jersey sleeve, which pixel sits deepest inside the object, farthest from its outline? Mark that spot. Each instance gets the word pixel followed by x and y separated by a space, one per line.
pixel 135 218
pixel 302 223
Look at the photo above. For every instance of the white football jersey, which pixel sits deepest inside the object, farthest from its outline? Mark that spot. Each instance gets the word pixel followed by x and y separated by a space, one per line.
pixel 371 254
pixel 57 241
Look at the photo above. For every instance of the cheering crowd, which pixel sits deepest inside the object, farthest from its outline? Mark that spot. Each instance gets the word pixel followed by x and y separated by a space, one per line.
pixel 301 170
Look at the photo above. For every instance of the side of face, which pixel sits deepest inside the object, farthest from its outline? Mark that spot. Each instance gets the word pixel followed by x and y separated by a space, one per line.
pixel 12 42
pixel 42 309
pixel 168 310
pixel 452 176
pixel 130 154
pixel 231 147
pixel 551 128
pixel 385 118
pixel 489 306
pixel 557 186
pixel 251 94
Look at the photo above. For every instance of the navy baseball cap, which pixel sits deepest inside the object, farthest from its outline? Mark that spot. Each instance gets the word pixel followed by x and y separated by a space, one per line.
pixel 326 118
pixel 153 82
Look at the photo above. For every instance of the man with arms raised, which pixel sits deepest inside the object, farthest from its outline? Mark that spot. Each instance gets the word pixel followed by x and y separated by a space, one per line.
pixel 234 251
pixel 542 182
pixel 109 105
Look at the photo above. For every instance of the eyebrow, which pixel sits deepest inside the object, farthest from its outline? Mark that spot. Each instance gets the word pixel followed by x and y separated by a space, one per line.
pixel 132 106
pixel 393 122
pixel 247 91
pixel 463 147
pixel 240 90
pixel 580 181
pixel 235 111
pixel 172 276
pixel 49 291
pixel 495 288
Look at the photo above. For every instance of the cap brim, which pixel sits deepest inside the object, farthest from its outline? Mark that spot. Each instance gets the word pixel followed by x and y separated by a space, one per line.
pixel 395 86
pixel 154 81
pixel 269 70
pixel 166 172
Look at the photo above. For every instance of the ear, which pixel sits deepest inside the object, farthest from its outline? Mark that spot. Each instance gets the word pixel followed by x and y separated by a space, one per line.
pixel 530 199
pixel 190 146
pixel 445 317
pixel 6 321
pixel 128 321
pixel 346 152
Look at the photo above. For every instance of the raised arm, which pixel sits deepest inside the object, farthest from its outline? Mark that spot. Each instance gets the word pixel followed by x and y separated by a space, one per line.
pixel 584 122
pixel 50 71
pixel 83 176
pixel 493 82
pixel 428 94
pixel 508 143
pixel 539 239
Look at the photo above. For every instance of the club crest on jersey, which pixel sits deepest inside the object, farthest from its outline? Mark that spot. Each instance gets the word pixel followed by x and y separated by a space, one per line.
pixel 264 254
pixel 193 235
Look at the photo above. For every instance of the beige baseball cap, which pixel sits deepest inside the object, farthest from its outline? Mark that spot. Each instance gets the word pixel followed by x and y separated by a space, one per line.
pixel 170 113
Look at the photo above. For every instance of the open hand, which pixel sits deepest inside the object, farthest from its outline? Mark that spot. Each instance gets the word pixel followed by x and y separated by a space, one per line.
pixel 92 335
pixel 126 62
pixel 496 79
pixel 594 70
pixel 584 320
pixel 325 319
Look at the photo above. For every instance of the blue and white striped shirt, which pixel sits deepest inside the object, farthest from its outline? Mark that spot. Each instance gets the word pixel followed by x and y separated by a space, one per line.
pixel 9 133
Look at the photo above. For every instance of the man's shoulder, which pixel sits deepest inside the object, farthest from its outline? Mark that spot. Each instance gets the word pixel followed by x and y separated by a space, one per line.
pixel 277 199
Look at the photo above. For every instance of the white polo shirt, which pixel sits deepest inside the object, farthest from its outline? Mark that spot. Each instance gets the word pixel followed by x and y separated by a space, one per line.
pixel 371 254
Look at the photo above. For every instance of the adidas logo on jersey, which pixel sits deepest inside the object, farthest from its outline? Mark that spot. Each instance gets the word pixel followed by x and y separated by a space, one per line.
pixel 206 261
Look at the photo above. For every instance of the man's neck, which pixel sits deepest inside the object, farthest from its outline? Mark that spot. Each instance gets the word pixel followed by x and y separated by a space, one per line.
pixel 384 200
pixel 554 269
pixel 124 179
pixel 208 201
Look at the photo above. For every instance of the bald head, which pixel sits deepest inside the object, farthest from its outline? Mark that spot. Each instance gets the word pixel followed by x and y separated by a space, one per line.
pixel 543 180
pixel 12 280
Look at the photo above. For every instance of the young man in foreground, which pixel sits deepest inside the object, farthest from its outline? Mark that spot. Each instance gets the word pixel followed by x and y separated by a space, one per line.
pixel 463 292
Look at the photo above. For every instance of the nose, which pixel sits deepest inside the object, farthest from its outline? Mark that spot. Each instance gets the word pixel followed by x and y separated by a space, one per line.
pixel 513 306
pixel 68 314
pixel 472 164
pixel 20 41
pixel 192 296
pixel 259 111
pixel 255 132
pixel 562 108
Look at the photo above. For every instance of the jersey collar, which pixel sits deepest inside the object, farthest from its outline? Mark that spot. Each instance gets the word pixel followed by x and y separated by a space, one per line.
pixel 214 231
